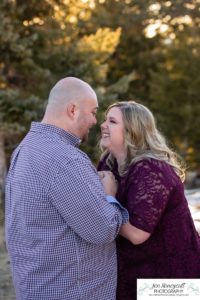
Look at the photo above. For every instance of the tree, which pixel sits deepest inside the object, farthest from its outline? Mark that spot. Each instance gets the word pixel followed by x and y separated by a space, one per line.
pixel 159 42
pixel 175 94
pixel 38 46
pixel 124 49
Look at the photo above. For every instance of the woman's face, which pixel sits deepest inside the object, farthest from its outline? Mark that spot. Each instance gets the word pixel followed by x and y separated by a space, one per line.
pixel 112 131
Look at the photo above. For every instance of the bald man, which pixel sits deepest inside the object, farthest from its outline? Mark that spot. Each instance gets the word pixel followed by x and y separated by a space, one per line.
pixel 60 223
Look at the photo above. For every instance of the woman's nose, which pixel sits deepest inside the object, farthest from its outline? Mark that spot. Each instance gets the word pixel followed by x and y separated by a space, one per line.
pixel 103 125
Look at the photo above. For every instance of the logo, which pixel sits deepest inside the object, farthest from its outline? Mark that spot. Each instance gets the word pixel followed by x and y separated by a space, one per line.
pixel 164 288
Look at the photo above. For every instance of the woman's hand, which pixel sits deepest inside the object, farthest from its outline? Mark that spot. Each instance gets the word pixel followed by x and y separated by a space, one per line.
pixel 109 182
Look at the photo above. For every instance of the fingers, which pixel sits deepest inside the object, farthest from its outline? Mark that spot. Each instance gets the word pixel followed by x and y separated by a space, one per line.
pixel 109 183
pixel 107 175
pixel 104 175
pixel 101 174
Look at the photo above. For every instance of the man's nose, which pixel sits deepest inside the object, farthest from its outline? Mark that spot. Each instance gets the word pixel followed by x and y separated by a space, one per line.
pixel 94 121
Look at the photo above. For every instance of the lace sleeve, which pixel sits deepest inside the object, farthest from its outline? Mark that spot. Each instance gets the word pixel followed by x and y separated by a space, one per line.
pixel 147 196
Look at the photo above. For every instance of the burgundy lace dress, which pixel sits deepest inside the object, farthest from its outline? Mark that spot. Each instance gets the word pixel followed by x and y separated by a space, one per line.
pixel 154 197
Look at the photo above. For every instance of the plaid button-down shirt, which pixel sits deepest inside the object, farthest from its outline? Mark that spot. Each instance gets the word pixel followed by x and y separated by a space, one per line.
pixel 60 229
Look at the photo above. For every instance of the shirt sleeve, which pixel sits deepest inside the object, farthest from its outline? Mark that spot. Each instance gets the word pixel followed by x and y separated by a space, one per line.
pixel 124 211
pixel 147 196
pixel 78 195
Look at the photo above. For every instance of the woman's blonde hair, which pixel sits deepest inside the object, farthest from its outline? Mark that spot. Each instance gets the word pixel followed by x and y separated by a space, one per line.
pixel 142 138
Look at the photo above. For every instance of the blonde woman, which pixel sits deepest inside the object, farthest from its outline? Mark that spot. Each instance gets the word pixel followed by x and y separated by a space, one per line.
pixel 160 241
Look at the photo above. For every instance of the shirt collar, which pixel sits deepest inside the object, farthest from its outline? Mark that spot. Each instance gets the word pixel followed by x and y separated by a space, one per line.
pixel 49 128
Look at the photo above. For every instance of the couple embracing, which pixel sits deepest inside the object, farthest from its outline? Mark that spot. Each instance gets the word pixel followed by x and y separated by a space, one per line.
pixel 77 233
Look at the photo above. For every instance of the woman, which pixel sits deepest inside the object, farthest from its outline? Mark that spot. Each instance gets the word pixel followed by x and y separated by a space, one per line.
pixel 160 240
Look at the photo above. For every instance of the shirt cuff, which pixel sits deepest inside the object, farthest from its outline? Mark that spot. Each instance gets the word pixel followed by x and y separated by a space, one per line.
pixel 124 211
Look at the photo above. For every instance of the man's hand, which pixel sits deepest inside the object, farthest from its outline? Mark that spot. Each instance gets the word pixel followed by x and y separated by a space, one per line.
pixel 109 182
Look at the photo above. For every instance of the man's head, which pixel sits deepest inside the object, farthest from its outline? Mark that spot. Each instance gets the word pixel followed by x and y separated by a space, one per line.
pixel 72 106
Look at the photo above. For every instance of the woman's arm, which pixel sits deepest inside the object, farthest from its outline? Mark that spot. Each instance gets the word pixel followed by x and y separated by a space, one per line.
pixel 133 234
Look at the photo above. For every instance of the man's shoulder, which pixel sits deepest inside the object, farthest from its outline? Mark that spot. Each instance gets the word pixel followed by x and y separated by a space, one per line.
pixel 64 152
pixel 49 151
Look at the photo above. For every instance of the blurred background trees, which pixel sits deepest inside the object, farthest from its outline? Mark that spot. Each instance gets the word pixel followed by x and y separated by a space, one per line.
pixel 126 49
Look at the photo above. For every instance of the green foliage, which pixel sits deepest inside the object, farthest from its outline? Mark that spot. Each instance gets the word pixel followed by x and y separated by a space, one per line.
pixel 175 93
pixel 140 49
pixel 166 65
pixel 20 43
pixel 17 113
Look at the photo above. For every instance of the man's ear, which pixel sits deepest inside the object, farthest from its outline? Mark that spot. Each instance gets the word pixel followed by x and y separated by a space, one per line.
pixel 71 110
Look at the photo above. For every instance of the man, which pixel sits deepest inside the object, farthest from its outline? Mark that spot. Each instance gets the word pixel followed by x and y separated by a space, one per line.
pixel 60 225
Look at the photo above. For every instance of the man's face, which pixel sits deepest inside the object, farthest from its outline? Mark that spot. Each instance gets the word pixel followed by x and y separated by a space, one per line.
pixel 87 117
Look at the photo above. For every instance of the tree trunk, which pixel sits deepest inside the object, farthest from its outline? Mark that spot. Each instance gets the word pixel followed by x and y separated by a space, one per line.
pixel 3 170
